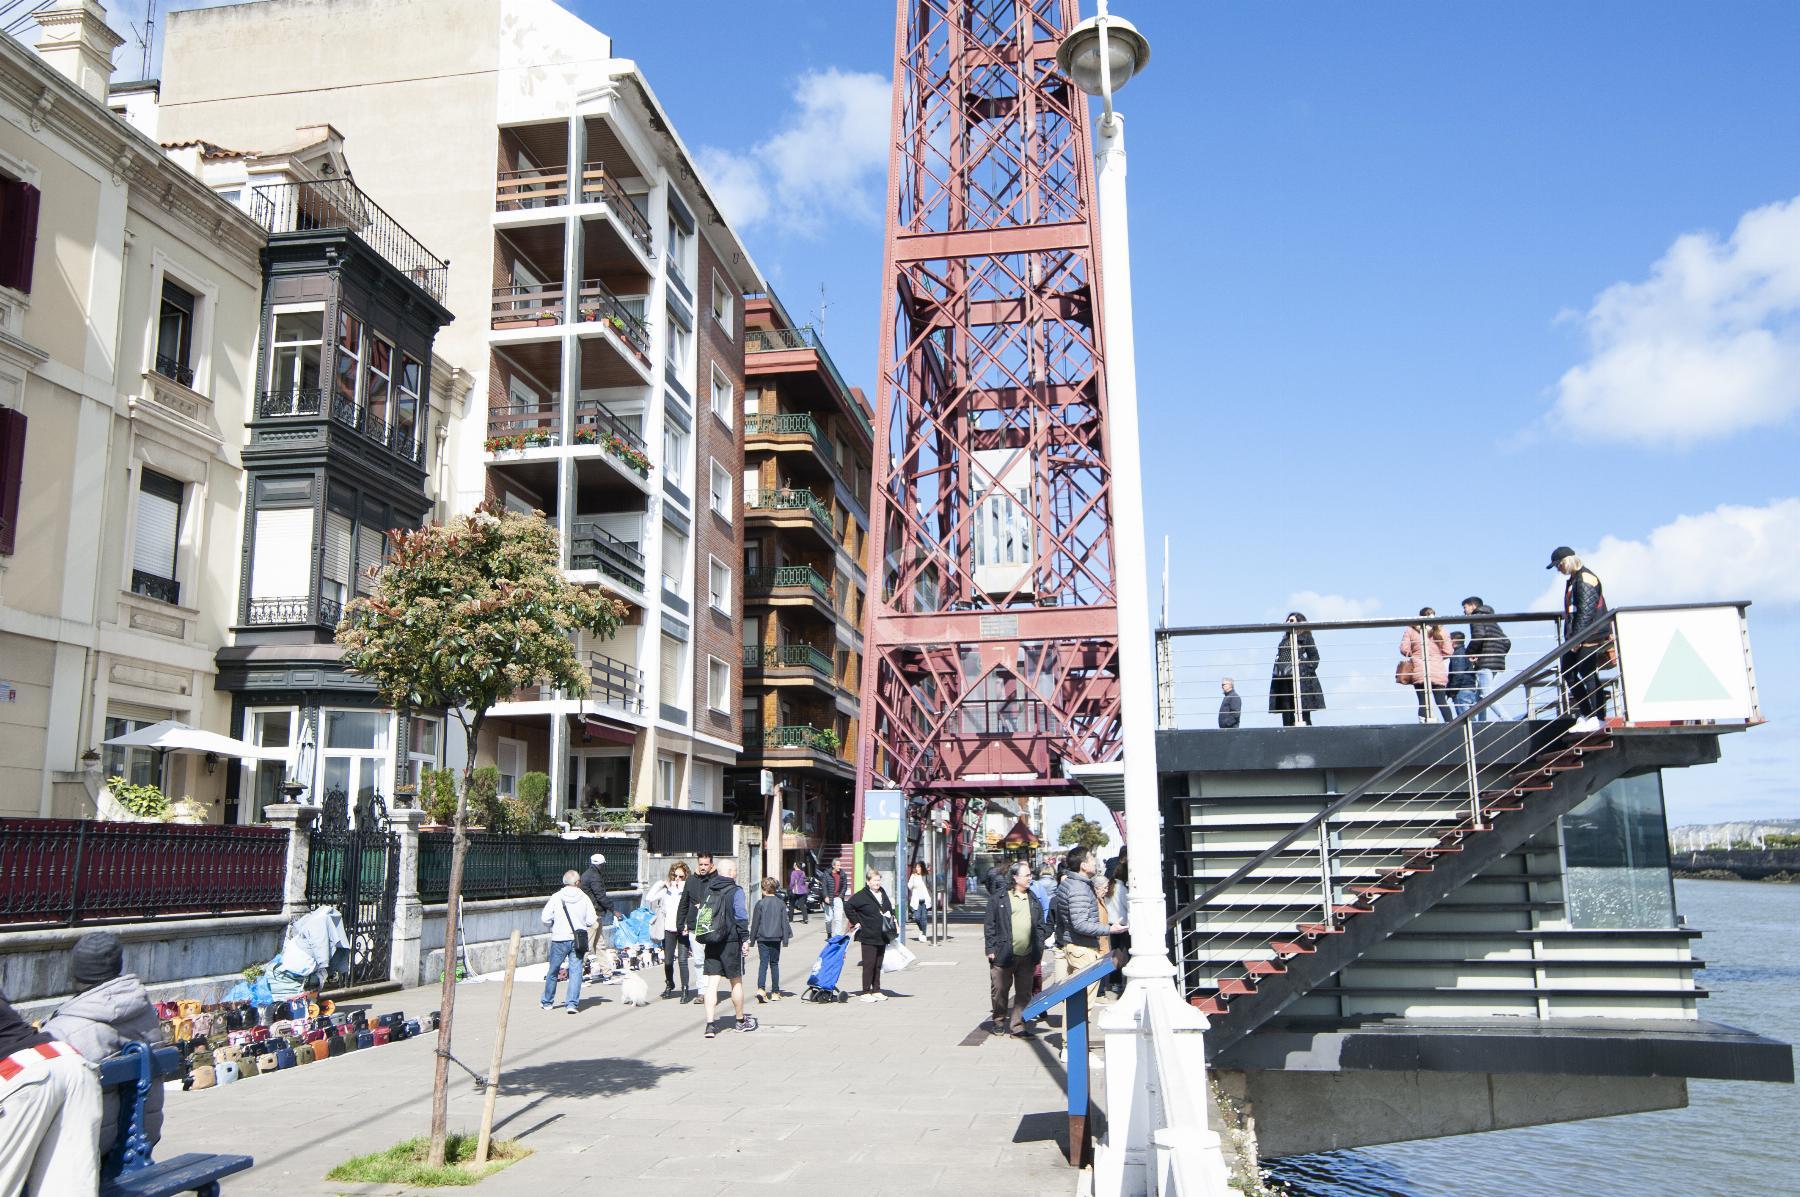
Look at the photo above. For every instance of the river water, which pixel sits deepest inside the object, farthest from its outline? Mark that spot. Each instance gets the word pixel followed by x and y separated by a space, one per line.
pixel 1735 1138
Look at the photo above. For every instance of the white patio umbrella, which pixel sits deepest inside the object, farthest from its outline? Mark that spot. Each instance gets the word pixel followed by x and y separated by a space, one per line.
pixel 171 736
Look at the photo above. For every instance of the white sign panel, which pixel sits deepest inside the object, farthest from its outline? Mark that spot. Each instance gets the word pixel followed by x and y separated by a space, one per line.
pixel 1686 666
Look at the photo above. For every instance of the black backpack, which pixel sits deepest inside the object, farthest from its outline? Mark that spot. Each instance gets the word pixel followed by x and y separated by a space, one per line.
pixel 715 923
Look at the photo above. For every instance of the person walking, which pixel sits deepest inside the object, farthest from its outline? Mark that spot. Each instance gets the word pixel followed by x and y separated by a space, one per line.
pixel 50 1112
pixel 1081 927
pixel 1294 690
pixel 722 925
pixel 692 894
pixel 771 927
pixel 665 899
pixel 111 1010
pixel 1584 606
pixel 871 910
pixel 593 884
pixel 1488 646
pixel 1015 934
pixel 918 899
pixel 837 891
pixel 1462 674
pixel 571 917
pixel 1425 665
pixel 1231 707
pixel 797 892
pixel 1115 904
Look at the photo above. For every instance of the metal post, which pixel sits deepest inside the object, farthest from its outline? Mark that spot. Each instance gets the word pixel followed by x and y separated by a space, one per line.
pixel 1327 899
pixel 1474 775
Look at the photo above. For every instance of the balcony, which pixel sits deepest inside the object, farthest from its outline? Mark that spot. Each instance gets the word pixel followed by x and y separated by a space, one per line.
pixel 175 370
pixel 595 303
pixel 539 187
pixel 518 426
pixel 788 656
pixel 803 736
pixel 600 187
pixel 615 684
pixel 163 590
pixel 527 307
pixel 786 423
pixel 296 611
pixel 326 205
pixel 791 499
pixel 402 437
pixel 593 547
pixel 798 579
pixel 788 340
pixel 595 424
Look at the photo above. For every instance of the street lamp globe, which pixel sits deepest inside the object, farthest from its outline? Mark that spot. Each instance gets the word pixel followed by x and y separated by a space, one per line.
pixel 1078 57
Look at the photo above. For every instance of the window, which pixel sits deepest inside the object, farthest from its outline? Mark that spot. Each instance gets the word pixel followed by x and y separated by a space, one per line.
pixel 158 532
pixel 296 349
pixel 674 655
pixel 720 496
pixel 354 756
pixel 424 748
pixel 722 303
pixel 722 392
pixel 262 779
pixel 752 486
pixel 1616 858
pixel 282 565
pixel 681 245
pixel 378 385
pixel 135 765
pixel 349 360
pixel 752 402
pixel 408 427
pixel 371 551
pixel 718 585
pixel 18 233
pixel 674 559
pixel 674 453
pixel 175 333
pixel 12 474
pixel 718 686
pixel 665 781
pixel 752 631
pixel 510 757
pixel 340 557
pixel 750 709
pixel 752 556
pixel 676 352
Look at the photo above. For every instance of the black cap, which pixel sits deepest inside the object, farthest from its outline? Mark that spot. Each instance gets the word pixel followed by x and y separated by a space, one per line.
pixel 97 957
pixel 1558 553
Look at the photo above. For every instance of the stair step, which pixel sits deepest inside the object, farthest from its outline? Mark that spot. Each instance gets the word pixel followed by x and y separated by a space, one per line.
pixel 1510 790
pixel 1291 947
pixel 1316 929
pixel 1231 985
pixel 1211 1005
pixel 1349 910
pixel 1375 889
pixel 1263 968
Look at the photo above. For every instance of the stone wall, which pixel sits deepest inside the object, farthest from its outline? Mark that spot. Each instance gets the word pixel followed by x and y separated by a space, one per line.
pixel 192 958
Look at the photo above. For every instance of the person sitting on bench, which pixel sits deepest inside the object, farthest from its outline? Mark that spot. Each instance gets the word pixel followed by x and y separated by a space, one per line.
pixel 50 1109
pixel 111 1010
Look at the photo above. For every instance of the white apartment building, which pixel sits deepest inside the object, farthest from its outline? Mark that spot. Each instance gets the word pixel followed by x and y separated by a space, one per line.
pixel 596 288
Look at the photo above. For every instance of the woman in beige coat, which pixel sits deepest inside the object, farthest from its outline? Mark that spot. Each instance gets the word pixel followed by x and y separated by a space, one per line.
pixel 1425 666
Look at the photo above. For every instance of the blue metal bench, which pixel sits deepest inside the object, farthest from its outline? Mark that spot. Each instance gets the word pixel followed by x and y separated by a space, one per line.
pixel 126 1169
pixel 1074 991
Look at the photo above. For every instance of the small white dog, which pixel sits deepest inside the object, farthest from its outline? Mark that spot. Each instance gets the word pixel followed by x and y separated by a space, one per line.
pixel 633 991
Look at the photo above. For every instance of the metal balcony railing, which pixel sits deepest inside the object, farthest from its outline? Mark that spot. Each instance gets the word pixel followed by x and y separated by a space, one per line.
pixel 615 684
pixel 325 204
pixel 787 577
pixel 296 611
pixel 163 590
pixel 792 499
pixel 801 735
pixel 539 187
pixel 526 307
pixel 786 423
pixel 777 340
pixel 596 424
pixel 593 547
pixel 597 186
pixel 595 302
pixel 523 426
pixel 174 369
pixel 777 656
pixel 309 401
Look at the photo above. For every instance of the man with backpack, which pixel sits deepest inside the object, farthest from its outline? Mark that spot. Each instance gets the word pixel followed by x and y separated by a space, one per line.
pixel 722 925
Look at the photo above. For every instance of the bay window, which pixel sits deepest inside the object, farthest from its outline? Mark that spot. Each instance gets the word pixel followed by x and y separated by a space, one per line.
pixel 296 351
pixel 349 364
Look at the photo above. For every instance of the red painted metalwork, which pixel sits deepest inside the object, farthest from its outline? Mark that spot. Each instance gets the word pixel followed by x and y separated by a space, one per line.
pixel 992 647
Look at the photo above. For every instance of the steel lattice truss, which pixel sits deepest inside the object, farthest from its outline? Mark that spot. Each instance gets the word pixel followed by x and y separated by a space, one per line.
pixel 993 653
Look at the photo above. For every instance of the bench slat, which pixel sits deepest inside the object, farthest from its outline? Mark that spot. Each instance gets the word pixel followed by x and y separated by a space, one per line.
pixel 183 1174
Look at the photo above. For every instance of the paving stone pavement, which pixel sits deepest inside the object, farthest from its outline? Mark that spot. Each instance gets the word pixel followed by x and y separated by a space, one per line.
pixel 879 1099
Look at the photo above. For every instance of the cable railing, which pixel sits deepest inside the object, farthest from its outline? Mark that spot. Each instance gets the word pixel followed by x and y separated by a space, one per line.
pixel 340 204
pixel 1452 783
pixel 1350 672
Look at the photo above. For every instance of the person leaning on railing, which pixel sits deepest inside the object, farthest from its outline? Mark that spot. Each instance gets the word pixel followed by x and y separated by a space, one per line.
pixel 1584 605
pixel 1294 690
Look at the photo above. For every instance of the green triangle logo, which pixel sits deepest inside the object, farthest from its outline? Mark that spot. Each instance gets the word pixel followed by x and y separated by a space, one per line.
pixel 1683 676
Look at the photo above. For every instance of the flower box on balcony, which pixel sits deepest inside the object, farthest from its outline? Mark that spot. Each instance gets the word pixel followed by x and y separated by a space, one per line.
pixel 518 442
pixel 544 321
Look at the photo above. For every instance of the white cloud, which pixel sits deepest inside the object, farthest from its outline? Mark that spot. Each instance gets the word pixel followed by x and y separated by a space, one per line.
pixel 1726 553
pixel 1708 345
pixel 821 162
pixel 1329 608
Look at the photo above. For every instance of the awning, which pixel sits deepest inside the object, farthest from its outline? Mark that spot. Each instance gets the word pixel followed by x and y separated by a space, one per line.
pixel 1104 780
pixel 594 727
pixel 1020 835
pixel 171 736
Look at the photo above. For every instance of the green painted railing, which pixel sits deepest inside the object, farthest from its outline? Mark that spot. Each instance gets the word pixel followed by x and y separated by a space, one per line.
pixel 785 577
pixel 762 656
pixel 793 499
pixel 782 423
pixel 521 866
pixel 801 735
pixel 759 340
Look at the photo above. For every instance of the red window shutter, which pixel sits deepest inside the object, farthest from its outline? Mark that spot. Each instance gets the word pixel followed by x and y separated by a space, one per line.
pixel 12 473
pixel 18 233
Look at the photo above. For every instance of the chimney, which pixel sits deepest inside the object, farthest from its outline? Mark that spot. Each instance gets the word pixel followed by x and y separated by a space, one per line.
pixel 75 39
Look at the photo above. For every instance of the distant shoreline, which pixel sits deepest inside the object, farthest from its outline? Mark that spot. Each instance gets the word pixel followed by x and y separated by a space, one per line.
pixel 1784 878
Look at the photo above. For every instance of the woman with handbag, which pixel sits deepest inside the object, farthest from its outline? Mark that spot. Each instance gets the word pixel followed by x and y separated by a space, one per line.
pixel 1294 690
pixel 571 917
pixel 871 911
pixel 1425 666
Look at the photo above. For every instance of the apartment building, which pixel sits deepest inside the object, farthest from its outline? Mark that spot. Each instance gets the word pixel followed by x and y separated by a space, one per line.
pixel 596 294
pixel 807 443
pixel 128 320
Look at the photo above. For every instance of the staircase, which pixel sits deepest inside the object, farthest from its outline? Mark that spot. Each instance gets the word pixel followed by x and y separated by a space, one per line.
pixel 1291 917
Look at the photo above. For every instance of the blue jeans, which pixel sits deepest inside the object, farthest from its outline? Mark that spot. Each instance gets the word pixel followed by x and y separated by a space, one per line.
pixel 1464 699
pixel 768 964
pixel 561 950
pixel 1485 681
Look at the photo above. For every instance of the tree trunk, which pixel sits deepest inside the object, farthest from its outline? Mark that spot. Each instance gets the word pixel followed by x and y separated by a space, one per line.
pixel 440 1081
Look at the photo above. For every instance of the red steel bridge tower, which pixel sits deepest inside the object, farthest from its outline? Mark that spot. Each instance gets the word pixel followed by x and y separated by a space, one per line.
pixel 992 631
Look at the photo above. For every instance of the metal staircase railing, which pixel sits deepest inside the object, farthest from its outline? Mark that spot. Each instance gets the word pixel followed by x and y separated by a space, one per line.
pixel 1363 845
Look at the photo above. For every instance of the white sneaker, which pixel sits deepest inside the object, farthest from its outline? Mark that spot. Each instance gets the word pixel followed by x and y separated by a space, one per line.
pixel 1583 726
pixel 869 997
pixel 880 997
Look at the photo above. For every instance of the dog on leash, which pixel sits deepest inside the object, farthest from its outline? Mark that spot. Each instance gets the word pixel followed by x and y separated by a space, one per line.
pixel 633 991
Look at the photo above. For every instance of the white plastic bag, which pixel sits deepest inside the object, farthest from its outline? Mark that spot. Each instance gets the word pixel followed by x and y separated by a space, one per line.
pixel 896 958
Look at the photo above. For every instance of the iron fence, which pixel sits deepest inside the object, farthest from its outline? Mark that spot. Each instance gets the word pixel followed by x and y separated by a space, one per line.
pixel 163 590
pixel 520 866
pixel 69 871
pixel 340 204
pixel 289 401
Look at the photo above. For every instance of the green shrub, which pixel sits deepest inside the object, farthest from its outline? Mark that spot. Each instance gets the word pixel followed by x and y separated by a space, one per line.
pixel 437 795
pixel 534 791
pixel 484 798
pixel 145 801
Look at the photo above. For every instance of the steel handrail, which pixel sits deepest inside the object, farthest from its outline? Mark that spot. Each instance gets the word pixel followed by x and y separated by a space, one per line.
pixel 1443 733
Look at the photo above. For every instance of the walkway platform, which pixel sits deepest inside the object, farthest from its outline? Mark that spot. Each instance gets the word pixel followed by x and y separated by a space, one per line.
pixel 878 1099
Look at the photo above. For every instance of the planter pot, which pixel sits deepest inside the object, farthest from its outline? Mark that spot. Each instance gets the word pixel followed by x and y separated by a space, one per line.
pixel 111 810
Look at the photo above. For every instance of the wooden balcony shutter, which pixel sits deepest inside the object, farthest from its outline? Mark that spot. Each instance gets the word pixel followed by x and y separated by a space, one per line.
pixel 12 473
pixel 18 234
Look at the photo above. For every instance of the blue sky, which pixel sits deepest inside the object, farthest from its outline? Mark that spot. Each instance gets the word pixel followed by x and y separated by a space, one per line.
pixel 1423 290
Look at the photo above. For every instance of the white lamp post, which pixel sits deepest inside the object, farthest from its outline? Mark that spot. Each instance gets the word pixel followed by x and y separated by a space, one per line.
pixel 1143 1078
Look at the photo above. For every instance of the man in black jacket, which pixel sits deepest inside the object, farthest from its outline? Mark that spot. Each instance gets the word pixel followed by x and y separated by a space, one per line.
pixel 1488 646
pixel 1231 707
pixel 1015 934
pixel 594 886
pixel 1584 605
